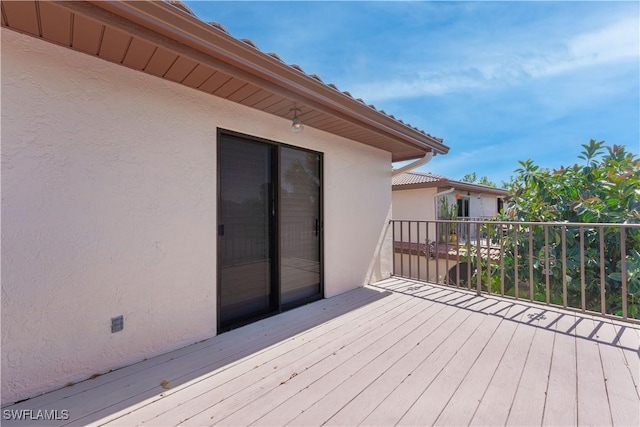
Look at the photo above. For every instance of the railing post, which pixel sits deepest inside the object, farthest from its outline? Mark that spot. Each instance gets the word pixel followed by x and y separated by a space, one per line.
pixel 437 250
pixel 623 267
pixel 428 252
pixel 603 308
pixel 502 231
pixel 393 238
pixel 410 251
pixel 468 227
pixel 478 262
pixel 515 261
pixel 401 249
pixel 564 266
pixel 583 292
pixel 546 264
pixel 447 238
pixel 419 249
pixel 487 224
pixel 531 284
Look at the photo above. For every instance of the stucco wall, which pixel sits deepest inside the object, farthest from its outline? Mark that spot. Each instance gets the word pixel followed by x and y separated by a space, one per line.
pixel 109 208
pixel 416 204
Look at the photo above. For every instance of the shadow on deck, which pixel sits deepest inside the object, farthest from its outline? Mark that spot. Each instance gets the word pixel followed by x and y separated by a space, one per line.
pixel 399 352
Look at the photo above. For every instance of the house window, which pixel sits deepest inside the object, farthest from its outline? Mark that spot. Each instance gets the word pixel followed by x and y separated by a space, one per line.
pixel 500 205
pixel 463 207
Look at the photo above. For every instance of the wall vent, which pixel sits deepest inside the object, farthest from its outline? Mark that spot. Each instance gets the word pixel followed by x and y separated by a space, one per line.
pixel 117 324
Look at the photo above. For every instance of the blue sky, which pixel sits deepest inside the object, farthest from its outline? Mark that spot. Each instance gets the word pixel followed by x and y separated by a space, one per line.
pixel 499 81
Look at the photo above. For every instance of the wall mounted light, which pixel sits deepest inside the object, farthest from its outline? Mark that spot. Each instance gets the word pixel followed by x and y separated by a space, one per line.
pixel 296 124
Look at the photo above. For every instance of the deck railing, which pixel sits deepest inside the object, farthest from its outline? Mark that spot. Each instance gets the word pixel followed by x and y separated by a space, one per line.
pixel 592 268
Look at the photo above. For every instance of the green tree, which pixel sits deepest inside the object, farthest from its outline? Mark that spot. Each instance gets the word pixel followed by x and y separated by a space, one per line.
pixel 604 188
pixel 472 178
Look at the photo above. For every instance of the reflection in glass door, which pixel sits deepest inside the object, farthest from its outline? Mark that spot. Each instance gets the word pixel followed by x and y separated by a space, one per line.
pixel 246 228
pixel 300 226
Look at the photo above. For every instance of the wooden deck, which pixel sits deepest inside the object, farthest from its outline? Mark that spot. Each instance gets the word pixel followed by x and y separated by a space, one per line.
pixel 398 353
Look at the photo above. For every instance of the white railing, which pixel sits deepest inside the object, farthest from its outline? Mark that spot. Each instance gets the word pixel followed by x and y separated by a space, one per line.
pixel 592 268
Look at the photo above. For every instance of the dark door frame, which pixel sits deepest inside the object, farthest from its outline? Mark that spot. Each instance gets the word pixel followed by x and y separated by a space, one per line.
pixel 275 276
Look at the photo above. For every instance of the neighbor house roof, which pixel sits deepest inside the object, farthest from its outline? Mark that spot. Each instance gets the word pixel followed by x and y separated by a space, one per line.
pixel 414 180
pixel 166 40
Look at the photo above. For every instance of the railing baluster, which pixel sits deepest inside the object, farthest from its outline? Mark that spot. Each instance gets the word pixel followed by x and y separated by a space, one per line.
pixel 546 263
pixel 419 249
pixel 564 266
pixel 393 238
pixel 428 250
pixel 603 304
pixel 502 230
pixel 488 225
pixel 623 267
pixel 402 249
pixel 583 296
pixel 515 261
pixel 468 227
pixel 447 237
pixel 458 233
pixel 410 251
pixel 478 261
pixel 531 284
pixel 437 245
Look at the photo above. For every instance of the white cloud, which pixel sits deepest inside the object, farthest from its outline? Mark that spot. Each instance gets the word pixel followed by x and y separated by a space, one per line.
pixel 503 63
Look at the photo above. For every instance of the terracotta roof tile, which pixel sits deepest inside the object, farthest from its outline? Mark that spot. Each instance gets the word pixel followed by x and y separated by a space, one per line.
pixel 408 178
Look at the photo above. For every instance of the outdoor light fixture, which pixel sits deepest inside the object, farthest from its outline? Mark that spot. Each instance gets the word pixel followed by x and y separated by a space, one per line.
pixel 296 124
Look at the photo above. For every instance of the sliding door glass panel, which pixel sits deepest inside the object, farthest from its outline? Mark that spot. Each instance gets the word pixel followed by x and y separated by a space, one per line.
pixel 246 240
pixel 300 225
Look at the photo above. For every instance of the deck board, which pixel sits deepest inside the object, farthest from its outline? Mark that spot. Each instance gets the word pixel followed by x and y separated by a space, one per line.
pixel 399 352
pixel 561 403
pixel 223 401
pixel 593 402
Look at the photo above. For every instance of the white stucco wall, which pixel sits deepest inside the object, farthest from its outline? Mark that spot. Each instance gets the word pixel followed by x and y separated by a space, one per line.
pixel 419 204
pixel 109 208
pixel 415 204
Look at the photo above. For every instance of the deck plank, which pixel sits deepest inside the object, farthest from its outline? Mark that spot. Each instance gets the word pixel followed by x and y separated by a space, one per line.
pixel 427 407
pixel 528 404
pixel 496 402
pixel 346 392
pixel 434 360
pixel 460 408
pixel 400 352
pixel 593 403
pixel 623 398
pixel 273 328
pixel 178 402
pixel 561 403
pixel 378 390
pixel 285 403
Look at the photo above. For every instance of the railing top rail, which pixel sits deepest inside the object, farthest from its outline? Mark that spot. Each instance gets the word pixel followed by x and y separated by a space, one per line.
pixel 555 223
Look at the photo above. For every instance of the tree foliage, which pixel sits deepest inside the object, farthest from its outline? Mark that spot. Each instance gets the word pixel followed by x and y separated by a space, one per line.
pixel 472 178
pixel 606 188
pixel 603 189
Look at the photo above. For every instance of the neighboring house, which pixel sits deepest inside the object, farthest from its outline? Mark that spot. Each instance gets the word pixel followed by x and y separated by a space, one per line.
pixel 418 196
pixel 151 183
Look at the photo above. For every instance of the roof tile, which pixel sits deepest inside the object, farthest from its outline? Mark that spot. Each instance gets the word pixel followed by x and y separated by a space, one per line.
pixel 409 178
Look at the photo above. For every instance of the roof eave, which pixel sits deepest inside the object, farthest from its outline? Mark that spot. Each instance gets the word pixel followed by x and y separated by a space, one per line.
pixel 175 24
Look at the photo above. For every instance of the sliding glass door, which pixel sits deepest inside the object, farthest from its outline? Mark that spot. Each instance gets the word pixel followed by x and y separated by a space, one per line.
pixel 246 230
pixel 300 206
pixel 269 228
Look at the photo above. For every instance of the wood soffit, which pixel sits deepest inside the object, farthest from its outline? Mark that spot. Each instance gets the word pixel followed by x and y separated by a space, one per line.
pixel 167 41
